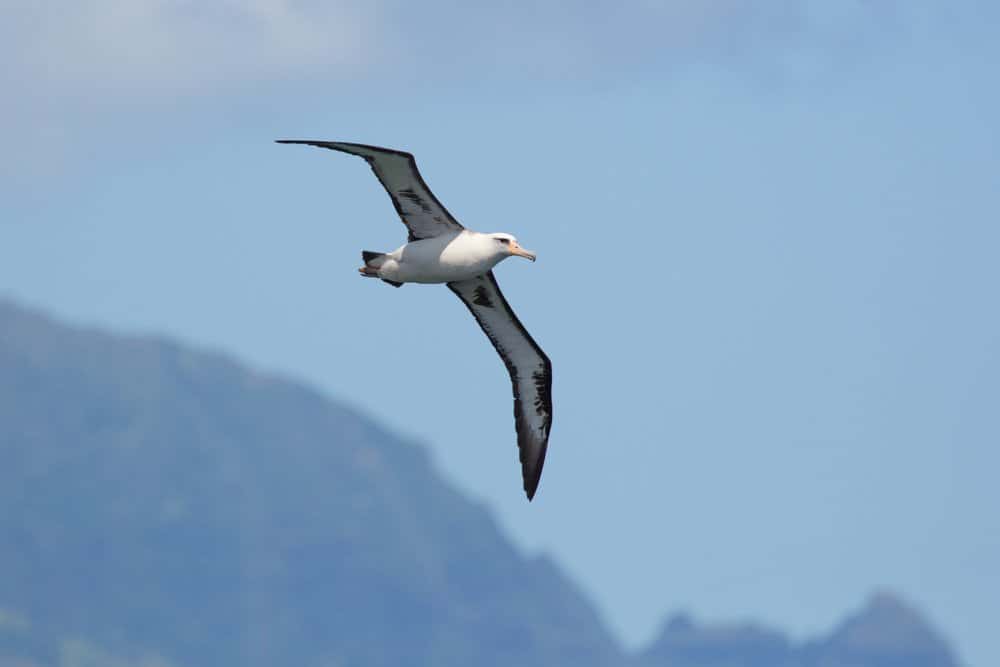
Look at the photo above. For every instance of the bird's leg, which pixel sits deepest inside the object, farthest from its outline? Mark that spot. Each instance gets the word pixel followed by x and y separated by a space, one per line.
pixel 368 272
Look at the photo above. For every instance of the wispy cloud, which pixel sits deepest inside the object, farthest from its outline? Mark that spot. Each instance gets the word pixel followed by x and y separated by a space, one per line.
pixel 104 45
pixel 67 63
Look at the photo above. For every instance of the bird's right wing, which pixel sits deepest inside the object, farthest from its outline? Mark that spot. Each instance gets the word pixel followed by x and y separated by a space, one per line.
pixel 416 205
pixel 529 368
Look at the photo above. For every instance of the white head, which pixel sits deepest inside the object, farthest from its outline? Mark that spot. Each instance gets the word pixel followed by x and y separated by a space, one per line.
pixel 507 245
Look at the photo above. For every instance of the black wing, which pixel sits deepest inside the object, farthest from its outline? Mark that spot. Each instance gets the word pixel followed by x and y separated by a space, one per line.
pixel 529 368
pixel 417 206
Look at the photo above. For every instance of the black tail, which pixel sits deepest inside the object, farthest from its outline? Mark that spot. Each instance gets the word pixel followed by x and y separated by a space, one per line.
pixel 368 255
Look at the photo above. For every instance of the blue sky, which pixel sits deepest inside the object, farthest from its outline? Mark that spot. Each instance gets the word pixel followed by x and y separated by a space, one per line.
pixel 767 268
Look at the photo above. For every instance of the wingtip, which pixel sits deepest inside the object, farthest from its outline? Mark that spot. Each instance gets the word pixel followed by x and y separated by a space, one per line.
pixel 532 475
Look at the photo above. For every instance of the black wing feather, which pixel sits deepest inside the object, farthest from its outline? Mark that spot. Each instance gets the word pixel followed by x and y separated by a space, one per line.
pixel 529 368
pixel 424 216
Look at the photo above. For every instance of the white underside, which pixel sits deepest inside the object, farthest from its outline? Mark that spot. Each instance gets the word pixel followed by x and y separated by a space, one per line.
pixel 442 259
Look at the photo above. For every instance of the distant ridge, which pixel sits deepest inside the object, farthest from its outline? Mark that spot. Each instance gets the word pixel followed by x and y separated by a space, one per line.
pixel 166 507
pixel 886 632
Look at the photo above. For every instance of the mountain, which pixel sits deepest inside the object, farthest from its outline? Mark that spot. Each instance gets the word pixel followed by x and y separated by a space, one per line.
pixel 168 503
pixel 166 507
pixel 683 643
pixel 885 633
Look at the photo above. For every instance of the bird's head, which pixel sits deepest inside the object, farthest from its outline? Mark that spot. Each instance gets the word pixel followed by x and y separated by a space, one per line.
pixel 509 246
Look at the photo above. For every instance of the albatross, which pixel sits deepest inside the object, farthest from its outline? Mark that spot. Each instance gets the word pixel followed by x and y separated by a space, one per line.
pixel 440 250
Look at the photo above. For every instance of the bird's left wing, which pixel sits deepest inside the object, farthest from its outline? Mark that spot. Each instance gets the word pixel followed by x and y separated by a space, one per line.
pixel 529 368
pixel 418 208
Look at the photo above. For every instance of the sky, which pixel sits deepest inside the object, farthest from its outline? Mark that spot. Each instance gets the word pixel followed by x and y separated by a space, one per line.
pixel 767 241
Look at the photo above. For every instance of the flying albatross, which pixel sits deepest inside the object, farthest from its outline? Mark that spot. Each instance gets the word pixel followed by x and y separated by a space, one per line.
pixel 440 250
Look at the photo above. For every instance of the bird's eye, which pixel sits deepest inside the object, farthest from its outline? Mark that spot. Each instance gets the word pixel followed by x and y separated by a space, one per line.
pixel 504 241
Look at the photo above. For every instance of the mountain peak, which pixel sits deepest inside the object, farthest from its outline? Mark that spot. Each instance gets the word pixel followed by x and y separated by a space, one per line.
pixel 887 631
pixel 685 643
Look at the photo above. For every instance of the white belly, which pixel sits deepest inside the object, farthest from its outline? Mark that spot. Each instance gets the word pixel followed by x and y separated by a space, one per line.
pixel 442 259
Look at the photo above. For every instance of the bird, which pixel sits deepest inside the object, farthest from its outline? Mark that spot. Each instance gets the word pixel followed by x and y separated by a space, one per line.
pixel 440 250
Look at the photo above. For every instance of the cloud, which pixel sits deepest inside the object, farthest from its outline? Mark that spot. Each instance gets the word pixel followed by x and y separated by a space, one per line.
pixel 571 41
pixel 67 64
pixel 177 46
pixel 102 45
pixel 585 40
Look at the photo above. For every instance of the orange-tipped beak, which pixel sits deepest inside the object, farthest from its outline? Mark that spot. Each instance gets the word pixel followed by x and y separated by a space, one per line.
pixel 521 252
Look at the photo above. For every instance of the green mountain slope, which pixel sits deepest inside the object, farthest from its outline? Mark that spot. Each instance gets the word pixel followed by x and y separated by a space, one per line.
pixel 163 502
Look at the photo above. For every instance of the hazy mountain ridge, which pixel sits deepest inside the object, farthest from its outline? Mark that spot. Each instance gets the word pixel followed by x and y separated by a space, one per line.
pixel 163 506
pixel 886 632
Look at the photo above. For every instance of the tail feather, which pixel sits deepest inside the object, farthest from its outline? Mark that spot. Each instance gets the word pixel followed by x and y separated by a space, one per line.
pixel 374 261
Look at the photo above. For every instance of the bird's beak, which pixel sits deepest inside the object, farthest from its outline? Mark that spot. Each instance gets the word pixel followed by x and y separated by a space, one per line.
pixel 521 252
